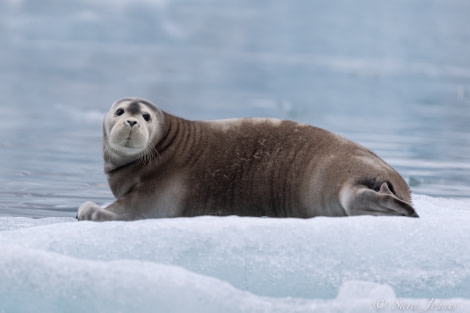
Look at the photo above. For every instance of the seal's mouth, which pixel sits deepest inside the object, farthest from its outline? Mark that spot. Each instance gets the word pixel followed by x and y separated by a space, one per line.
pixel 128 143
pixel 127 140
pixel 133 140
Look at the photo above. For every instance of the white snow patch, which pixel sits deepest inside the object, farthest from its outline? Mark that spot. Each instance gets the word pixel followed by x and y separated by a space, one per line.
pixel 233 264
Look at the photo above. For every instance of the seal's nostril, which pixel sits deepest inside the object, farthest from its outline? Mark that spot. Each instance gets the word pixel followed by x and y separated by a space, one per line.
pixel 132 123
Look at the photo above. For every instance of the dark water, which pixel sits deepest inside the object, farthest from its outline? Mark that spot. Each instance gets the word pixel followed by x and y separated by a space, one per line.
pixel 392 75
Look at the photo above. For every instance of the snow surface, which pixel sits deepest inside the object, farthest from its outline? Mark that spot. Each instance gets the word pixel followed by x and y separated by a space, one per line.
pixel 233 264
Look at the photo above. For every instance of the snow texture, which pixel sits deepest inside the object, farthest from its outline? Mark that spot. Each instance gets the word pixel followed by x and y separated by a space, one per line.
pixel 233 264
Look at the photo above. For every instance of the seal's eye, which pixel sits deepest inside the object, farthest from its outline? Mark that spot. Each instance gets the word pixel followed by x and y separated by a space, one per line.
pixel 119 112
pixel 146 116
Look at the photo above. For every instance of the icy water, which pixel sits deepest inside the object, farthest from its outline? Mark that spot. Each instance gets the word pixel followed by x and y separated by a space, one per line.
pixel 391 75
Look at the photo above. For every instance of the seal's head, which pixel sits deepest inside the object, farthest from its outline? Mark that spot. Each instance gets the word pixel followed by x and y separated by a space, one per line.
pixel 131 129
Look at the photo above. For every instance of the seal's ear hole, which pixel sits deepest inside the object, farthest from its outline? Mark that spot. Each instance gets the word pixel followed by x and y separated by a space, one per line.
pixel 146 116
pixel 119 112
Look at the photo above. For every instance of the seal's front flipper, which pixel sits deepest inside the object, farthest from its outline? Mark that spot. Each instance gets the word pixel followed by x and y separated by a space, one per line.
pixel 89 211
pixel 360 200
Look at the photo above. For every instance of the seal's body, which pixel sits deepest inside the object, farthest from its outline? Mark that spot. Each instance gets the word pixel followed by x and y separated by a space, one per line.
pixel 159 165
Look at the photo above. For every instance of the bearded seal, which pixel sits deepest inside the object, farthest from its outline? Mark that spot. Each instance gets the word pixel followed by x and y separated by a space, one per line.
pixel 159 165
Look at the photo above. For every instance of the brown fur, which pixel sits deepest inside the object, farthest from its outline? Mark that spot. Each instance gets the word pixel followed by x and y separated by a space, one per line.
pixel 251 167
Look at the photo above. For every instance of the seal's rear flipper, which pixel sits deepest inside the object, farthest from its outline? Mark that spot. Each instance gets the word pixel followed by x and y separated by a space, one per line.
pixel 359 200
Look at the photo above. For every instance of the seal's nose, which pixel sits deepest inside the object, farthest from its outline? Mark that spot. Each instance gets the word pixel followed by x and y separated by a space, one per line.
pixel 131 123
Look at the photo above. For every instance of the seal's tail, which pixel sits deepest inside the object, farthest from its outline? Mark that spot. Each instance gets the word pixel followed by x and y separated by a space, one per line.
pixel 362 200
